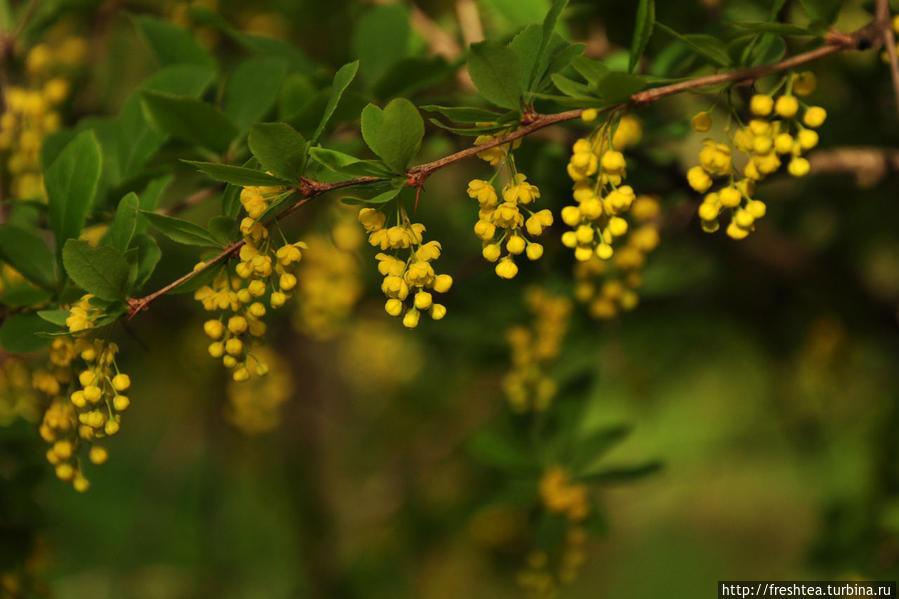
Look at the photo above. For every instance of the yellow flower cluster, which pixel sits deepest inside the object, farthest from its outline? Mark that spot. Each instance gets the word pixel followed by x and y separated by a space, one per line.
pixel 504 221
pixel 32 112
pixel 541 578
pixel 526 386
pixel 497 154
pixel 89 413
pixel 598 169
pixel 263 270
pixel 374 357
pixel 774 134
pixel 539 581
pixel 329 284
pixel 17 399
pixel 255 406
pixel 82 315
pixel 608 287
pixel 407 278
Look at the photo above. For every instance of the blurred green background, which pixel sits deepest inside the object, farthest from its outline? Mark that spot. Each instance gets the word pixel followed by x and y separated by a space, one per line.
pixel 764 374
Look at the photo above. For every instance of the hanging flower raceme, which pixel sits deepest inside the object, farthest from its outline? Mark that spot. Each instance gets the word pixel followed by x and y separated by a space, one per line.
pixel 506 222
pixel 329 281
pixel 32 112
pixel 405 263
pixel 545 573
pixel 775 134
pixel 609 286
pixel 254 406
pixel 527 386
pixel 264 274
pixel 87 394
pixel 598 169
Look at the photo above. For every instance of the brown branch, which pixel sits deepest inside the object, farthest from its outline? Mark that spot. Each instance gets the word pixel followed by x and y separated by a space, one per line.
pixel 882 17
pixel 416 175
pixel 869 165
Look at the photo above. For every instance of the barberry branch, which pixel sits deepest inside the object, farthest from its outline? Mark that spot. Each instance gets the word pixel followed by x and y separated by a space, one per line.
pixel 834 42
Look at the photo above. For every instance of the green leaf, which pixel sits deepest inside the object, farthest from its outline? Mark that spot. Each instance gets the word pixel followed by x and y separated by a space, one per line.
pixel 20 296
pixel 138 141
pixel 22 333
pixel 148 255
pixel 347 164
pixel 181 231
pixel 617 87
pixel 398 138
pixel 189 120
pixel 221 228
pixel 526 45
pixel 237 175
pixel 590 449
pixel 381 39
pixel 546 39
pixel 57 317
pixel 492 450
pixel 383 198
pixel 279 148
pixel 572 88
pixel 172 44
pixel 822 11
pixel 622 474
pixel 496 72
pixel 372 116
pixel 101 270
pixel 25 251
pixel 770 27
pixel 593 71
pixel 646 18
pixel 124 224
pixel 705 45
pixel 252 90
pixel 342 80
pixel 464 114
pixel 71 183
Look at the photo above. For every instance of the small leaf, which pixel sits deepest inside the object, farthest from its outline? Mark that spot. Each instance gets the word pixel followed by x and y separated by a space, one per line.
pixel 771 27
pixel 590 449
pixel 383 198
pixel 279 148
pixel 181 231
pixel 22 333
pixel 492 450
pixel 646 18
pixel 398 139
pixel 622 474
pixel 124 224
pixel 221 228
pixel 237 175
pixel 371 123
pixel 705 45
pixel 57 317
pixel 572 88
pixel 342 80
pixel 464 114
pixel 101 270
pixel 347 164
pixel 148 255
pixel 617 87
pixel 496 72
pixel 189 120
pixel 25 251
pixel 252 90
pixel 172 44
pixel 593 71
pixel 71 183
pixel 548 31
